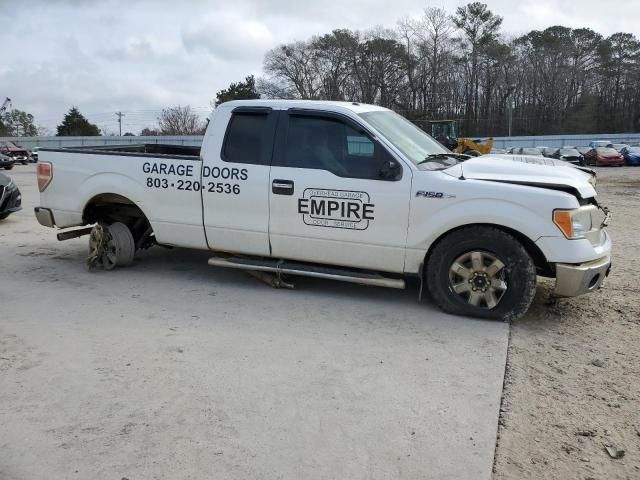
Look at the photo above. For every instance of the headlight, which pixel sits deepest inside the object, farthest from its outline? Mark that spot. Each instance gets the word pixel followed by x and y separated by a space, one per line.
pixel 573 223
pixel 10 185
pixel 593 180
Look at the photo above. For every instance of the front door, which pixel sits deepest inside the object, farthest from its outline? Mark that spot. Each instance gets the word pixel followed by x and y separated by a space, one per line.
pixel 337 196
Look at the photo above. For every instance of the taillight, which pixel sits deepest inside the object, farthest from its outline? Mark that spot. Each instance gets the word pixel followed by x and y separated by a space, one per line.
pixel 45 174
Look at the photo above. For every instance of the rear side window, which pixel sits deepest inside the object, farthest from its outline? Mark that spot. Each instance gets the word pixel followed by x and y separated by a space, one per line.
pixel 249 138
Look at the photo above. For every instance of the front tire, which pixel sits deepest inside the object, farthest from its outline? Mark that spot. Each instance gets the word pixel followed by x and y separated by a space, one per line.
pixel 481 272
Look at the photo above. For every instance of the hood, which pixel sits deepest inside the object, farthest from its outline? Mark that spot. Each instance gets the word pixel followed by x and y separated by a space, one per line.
pixel 4 180
pixel 526 170
pixel 16 149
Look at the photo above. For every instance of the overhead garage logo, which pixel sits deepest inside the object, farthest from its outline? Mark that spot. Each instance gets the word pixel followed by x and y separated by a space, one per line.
pixel 336 208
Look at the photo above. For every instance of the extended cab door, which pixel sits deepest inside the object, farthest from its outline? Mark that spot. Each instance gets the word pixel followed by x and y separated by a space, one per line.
pixel 337 196
pixel 235 179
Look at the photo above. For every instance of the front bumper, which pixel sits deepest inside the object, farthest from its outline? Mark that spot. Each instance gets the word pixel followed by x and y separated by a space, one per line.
pixel 45 217
pixel 573 280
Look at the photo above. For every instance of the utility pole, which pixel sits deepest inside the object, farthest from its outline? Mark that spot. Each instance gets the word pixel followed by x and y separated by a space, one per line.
pixel 512 88
pixel 120 115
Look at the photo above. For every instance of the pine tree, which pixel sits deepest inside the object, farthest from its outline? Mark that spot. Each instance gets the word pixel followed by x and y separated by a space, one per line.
pixel 75 124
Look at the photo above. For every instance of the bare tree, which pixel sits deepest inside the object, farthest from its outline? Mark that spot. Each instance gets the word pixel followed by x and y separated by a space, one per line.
pixel 439 66
pixel 180 120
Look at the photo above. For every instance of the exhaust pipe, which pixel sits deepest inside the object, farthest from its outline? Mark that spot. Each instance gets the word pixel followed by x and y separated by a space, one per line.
pixel 68 235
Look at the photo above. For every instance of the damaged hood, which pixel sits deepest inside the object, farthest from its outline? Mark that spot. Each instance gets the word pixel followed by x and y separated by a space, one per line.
pixel 525 170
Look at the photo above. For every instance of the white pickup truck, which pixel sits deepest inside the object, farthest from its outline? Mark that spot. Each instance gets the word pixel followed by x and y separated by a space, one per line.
pixel 338 190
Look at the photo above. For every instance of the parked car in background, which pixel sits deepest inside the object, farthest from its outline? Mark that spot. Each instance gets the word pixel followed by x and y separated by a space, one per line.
pixel 498 151
pixel 604 157
pixel 631 156
pixel 6 162
pixel 599 143
pixel 536 152
pixel 583 150
pixel 17 152
pixel 570 155
pixel 548 151
pixel 512 149
pixel 10 197
pixel 618 146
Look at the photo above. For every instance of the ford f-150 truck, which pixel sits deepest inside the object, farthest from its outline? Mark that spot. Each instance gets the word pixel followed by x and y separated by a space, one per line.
pixel 338 190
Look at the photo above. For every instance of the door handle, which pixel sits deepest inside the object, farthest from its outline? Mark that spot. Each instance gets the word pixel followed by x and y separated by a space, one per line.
pixel 282 187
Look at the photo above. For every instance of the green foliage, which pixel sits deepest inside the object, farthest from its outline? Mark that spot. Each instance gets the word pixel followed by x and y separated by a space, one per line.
pixel 75 124
pixel 238 91
pixel 16 123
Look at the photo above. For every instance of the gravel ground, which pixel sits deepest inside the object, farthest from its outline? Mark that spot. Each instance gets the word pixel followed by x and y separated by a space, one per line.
pixel 573 378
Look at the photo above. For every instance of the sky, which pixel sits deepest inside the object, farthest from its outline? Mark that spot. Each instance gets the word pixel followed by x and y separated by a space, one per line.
pixel 139 56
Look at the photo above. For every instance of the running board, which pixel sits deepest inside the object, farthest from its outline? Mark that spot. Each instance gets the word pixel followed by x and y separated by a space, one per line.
pixel 307 270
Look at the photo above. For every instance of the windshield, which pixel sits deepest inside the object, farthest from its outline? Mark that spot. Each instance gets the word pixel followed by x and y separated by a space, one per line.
pixel 569 151
pixel 531 151
pixel 606 151
pixel 414 143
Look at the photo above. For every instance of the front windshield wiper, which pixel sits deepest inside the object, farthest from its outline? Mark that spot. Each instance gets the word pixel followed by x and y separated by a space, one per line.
pixel 432 156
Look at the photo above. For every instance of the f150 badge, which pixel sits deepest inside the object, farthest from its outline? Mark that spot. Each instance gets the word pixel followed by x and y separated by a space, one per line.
pixel 422 193
pixel 336 208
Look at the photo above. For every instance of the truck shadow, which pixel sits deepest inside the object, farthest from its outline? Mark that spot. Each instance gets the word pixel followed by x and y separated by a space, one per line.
pixel 192 265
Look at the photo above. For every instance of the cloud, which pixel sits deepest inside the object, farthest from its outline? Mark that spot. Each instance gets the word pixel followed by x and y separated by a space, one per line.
pixel 140 56
pixel 228 36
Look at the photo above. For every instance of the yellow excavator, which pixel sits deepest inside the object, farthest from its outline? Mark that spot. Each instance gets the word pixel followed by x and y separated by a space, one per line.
pixel 446 132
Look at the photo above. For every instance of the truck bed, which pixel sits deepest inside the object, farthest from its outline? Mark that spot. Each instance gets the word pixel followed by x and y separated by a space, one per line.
pixel 135 150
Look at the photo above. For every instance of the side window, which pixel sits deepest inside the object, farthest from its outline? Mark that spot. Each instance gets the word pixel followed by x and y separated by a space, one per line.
pixel 324 143
pixel 248 139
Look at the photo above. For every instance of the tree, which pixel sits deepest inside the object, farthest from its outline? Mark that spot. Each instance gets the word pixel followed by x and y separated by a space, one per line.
pixel 180 121
pixel 480 29
pixel 558 80
pixel 43 131
pixel 149 132
pixel 238 91
pixel 17 123
pixel 129 134
pixel 75 124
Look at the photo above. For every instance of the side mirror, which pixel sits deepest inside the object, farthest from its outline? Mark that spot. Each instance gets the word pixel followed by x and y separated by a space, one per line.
pixel 390 170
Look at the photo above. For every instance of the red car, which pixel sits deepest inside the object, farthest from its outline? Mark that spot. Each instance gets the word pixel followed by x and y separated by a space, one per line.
pixel 18 153
pixel 604 157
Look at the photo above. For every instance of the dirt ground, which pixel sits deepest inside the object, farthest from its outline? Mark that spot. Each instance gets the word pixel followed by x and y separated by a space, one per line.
pixel 573 378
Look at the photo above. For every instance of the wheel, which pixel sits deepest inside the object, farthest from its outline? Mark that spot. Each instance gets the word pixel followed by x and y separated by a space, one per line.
pixel 8 167
pixel 3 216
pixel 111 246
pixel 482 272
